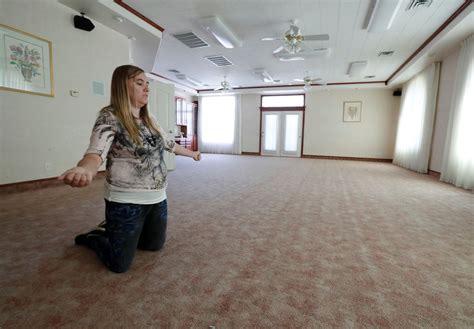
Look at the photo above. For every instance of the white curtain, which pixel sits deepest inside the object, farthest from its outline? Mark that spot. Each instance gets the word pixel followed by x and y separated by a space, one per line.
pixel 458 159
pixel 415 124
pixel 219 124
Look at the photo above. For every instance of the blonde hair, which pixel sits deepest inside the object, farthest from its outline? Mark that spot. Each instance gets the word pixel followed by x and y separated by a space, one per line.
pixel 120 103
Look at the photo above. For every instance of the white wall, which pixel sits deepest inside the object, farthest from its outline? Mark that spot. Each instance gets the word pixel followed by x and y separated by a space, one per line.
pixel 250 108
pixel 445 92
pixel 36 130
pixel 373 137
pixel 326 134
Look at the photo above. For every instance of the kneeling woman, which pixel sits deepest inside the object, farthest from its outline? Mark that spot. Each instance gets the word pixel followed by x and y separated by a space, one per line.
pixel 133 144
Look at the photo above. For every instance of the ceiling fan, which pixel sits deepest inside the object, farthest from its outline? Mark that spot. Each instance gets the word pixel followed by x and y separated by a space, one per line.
pixel 309 81
pixel 225 86
pixel 293 40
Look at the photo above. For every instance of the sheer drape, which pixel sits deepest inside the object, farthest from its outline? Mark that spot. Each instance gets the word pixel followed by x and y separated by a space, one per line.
pixel 219 124
pixel 458 159
pixel 415 124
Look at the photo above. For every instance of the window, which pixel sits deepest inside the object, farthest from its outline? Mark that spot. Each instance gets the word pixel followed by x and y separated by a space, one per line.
pixel 219 124
pixel 283 101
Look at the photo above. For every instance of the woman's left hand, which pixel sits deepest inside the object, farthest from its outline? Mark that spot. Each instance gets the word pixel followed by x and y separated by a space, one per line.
pixel 197 156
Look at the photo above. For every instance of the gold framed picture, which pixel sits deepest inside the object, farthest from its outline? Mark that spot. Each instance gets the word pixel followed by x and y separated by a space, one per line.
pixel 26 63
pixel 352 112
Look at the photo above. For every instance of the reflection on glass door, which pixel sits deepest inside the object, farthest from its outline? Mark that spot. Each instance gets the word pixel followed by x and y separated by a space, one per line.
pixel 281 133
pixel 270 133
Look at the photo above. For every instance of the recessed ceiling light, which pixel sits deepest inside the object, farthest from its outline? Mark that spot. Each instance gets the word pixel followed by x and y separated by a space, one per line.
pixel 118 19
pixel 369 77
pixel 356 69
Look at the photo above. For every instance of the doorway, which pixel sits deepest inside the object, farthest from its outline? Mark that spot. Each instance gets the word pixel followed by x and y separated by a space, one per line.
pixel 281 133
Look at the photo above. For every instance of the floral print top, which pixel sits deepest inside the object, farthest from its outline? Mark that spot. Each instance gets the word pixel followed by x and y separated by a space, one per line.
pixel 130 167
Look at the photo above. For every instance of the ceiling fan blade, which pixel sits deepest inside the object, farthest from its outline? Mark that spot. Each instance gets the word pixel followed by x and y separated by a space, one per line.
pixel 218 88
pixel 290 59
pixel 306 47
pixel 276 51
pixel 315 80
pixel 316 37
pixel 271 39
pixel 299 80
pixel 320 52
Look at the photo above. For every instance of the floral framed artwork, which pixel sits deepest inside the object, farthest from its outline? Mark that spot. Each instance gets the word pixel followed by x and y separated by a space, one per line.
pixel 26 63
pixel 352 112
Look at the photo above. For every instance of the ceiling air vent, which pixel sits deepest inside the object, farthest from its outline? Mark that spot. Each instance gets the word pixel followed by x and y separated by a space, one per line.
pixel 191 40
pixel 386 53
pixel 419 3
pixel 219 60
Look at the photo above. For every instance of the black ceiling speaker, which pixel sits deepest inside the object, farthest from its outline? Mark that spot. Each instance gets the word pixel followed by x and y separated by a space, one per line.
pixel 397 92
pixel 82 23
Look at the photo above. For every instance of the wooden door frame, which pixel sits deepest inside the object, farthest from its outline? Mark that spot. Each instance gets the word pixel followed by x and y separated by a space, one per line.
pixel 281 109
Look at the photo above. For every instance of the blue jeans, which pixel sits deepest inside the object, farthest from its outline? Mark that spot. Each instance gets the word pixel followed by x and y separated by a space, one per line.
pixel 129 226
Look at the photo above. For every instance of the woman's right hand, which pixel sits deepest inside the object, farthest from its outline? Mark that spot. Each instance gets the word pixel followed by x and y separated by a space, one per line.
pixel 77 177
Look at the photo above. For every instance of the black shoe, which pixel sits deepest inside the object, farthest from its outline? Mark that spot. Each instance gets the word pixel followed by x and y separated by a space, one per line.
pixel 81 239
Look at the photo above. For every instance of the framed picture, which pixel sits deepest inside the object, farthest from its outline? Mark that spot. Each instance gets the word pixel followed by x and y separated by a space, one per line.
pixel 352 111
pixel 26 63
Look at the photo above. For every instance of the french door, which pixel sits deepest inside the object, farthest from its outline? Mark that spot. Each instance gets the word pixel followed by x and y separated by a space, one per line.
pixel 162 106
pixel 281 133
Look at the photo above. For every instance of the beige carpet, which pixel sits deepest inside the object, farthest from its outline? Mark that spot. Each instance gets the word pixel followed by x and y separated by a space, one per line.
pixel 253 242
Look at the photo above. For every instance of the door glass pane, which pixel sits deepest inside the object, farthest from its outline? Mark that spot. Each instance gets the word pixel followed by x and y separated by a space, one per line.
pixel 283 101
pixel 271 130
pixel 178 111
pixel 189 117
pixel 190 123
pixel 291 133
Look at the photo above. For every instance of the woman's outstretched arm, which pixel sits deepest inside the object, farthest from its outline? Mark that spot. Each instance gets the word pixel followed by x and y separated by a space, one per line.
pixel 84 172
pixel 179 150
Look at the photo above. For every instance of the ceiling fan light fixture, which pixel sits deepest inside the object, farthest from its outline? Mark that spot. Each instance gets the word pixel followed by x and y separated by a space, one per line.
pixel 225 86
pixel 292 48
pixel 220 31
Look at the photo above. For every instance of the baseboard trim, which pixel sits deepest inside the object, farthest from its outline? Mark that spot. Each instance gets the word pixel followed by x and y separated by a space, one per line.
pixel 34 184
pixel 434 173
pixel 330 157
pixel 49 182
